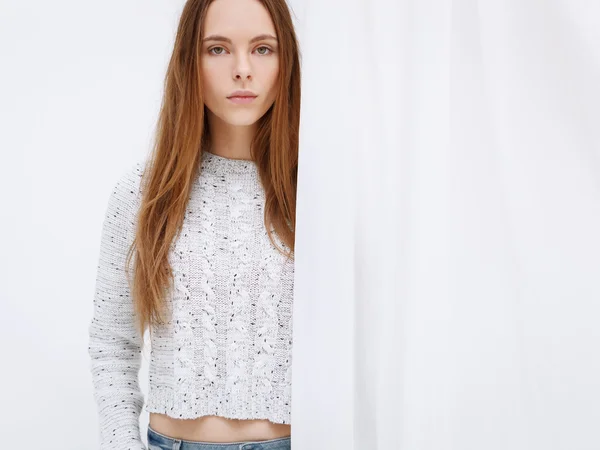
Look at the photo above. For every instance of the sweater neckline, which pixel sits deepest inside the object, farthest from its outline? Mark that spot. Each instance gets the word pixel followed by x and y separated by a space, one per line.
pixel 220 165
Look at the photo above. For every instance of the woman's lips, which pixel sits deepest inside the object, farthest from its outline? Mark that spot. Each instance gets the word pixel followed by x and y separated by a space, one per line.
pixel 241 100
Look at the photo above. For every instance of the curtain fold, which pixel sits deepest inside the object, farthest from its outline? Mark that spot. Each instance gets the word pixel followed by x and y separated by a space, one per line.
pixel 447 247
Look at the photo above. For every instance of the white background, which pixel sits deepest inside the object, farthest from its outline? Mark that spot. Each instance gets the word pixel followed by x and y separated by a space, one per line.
pixel 448 263
pixel 448 249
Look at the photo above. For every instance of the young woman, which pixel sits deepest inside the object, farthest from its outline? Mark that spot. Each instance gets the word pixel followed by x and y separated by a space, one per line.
pixel 208 222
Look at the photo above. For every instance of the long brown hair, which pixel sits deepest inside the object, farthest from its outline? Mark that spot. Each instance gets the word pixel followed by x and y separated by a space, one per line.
pixel 182 133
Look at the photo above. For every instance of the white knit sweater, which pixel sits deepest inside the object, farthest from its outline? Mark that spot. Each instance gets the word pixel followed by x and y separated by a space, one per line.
pixel 226 349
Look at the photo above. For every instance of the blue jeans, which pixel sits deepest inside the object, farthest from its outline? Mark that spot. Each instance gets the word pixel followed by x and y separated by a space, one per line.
pixel 157 441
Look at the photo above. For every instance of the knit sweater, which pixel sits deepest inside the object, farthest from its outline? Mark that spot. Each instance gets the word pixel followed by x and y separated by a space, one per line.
pixel 225 349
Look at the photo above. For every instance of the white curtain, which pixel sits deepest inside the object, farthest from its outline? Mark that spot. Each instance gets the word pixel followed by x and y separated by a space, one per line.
pixel 447 290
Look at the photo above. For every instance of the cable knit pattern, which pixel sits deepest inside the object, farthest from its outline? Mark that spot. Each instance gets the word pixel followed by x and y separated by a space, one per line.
pixel 226 347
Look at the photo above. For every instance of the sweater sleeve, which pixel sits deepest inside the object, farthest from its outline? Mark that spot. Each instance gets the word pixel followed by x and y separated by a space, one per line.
pixel 114 344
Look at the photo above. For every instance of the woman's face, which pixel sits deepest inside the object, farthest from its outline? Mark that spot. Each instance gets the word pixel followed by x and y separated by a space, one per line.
pixel 242 63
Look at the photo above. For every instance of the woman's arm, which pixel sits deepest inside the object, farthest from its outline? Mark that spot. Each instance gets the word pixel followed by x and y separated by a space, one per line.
pixel 114 343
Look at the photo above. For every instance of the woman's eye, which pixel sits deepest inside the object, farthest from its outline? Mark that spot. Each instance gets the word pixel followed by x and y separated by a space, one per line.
pixel 214 48
pixel 266 48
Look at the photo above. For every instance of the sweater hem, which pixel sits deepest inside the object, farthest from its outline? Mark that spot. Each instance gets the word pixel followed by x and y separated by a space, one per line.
pixel 162 400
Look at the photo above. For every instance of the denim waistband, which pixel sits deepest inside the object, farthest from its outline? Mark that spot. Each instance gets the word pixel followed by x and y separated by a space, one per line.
pixel 158 441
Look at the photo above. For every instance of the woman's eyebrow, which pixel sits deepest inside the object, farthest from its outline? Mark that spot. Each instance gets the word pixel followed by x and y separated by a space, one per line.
pixel 260 37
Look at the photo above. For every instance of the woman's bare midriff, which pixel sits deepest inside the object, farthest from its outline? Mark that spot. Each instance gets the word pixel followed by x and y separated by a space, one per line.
pixel 218 429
